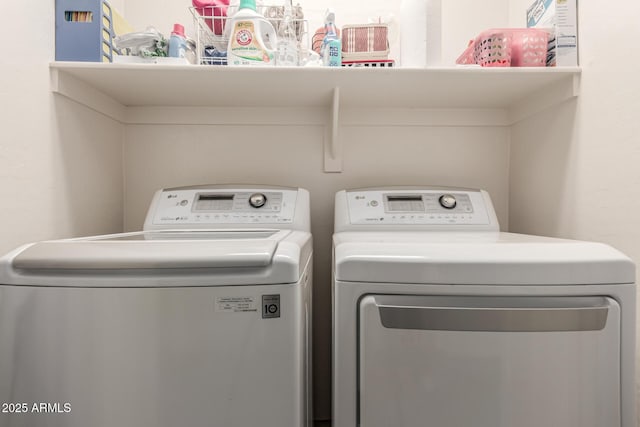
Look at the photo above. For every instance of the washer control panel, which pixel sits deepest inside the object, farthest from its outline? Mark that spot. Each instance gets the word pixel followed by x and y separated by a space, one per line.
pixel 420 207
pixel 193 206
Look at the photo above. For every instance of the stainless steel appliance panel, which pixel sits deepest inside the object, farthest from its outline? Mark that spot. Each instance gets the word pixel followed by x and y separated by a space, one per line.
pixel 152 357
pixel 489 361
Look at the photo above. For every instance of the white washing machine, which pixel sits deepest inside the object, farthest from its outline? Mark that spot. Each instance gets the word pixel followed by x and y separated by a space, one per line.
pixel 442 320
pixel 202 319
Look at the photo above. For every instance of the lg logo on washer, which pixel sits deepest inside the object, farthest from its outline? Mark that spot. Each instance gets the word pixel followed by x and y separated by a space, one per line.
pixel 248 304
pixel 270 306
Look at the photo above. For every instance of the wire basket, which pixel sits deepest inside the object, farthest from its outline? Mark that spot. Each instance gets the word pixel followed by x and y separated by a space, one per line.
pixel 510 47
pixel 212 31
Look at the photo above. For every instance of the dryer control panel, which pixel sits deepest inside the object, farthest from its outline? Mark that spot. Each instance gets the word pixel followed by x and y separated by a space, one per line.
pixel 430 207
pixel 224 207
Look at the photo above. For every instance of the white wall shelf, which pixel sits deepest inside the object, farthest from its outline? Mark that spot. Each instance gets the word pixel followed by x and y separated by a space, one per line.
pixel 145 93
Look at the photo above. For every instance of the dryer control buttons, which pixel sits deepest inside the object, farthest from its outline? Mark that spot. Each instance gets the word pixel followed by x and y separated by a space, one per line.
pixel 447 201
pixel 257 200
pixel 419 207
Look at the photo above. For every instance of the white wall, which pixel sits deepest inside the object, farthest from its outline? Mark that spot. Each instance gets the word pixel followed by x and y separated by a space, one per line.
pixel 60 164
pixel 574 168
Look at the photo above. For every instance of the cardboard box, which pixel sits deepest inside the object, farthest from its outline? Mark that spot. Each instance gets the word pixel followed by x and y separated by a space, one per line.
pixel 561 18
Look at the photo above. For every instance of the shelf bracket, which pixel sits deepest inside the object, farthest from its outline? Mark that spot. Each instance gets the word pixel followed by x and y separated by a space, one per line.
pixel 332 146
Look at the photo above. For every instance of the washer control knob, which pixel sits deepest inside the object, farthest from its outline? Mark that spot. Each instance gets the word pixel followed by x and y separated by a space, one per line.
pixel 257 200
pixel 447 201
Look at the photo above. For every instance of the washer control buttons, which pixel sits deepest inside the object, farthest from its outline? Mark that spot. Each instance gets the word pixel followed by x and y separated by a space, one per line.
pixel 257 200
pixel 447 201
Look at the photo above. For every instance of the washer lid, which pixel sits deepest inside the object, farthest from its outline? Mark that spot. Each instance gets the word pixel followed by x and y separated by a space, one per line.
pixel 476 258
pixel 149 250
pixel 164 258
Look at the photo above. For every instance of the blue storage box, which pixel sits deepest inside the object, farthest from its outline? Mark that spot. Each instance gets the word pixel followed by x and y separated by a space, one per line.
pixel 84 31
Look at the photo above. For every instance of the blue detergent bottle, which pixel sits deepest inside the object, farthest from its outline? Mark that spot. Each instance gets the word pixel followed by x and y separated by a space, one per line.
pixel 177 42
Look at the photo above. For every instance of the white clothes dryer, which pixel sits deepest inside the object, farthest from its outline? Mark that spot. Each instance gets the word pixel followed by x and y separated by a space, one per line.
pixel 442 320
pixel 202 319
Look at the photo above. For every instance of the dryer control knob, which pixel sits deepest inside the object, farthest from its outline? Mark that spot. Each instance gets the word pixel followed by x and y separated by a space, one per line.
pixel 257 200
pixel 447 201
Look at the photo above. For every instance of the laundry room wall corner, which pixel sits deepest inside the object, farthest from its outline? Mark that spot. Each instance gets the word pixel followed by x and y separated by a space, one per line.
pixel 60 163
pixel 574 167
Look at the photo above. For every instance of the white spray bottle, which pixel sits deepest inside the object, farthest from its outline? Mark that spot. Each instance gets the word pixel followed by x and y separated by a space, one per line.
pixel 252 40
pixel 331 50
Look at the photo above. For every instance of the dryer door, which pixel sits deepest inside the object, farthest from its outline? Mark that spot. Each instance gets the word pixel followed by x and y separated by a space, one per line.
pixel 489 362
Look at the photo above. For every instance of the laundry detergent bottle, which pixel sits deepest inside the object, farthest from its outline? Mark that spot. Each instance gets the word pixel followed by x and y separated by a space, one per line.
pixel 252 41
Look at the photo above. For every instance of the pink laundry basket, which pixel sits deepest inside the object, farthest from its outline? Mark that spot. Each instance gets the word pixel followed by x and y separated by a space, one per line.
pixel 507 47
